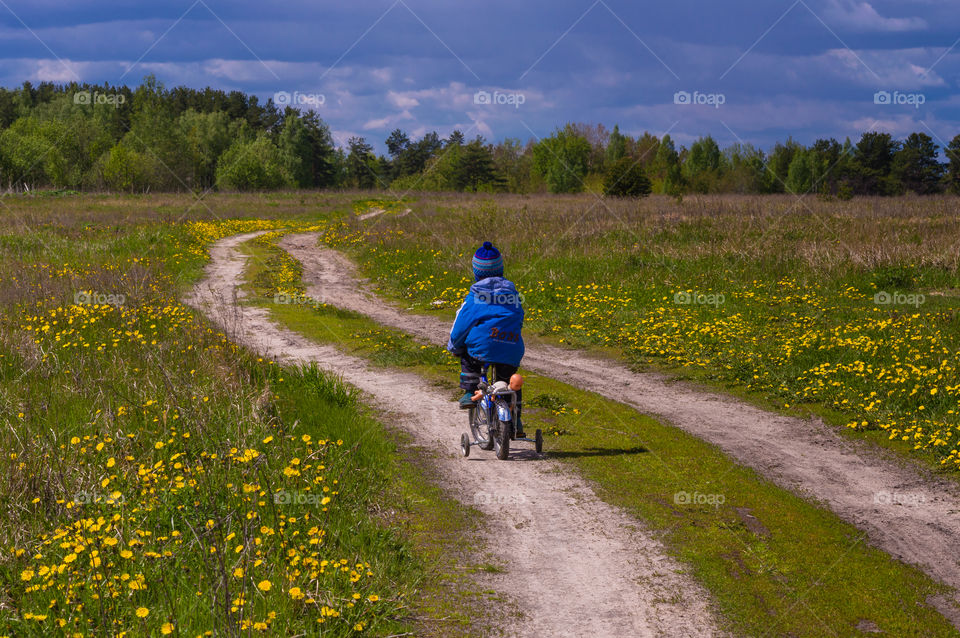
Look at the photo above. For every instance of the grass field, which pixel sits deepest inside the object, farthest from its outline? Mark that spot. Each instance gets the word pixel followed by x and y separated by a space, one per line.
pixel 158 480
pixel 849 309
pixel 776 564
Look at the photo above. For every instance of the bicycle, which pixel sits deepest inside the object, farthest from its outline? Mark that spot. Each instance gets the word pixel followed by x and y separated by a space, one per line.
pixel 492 421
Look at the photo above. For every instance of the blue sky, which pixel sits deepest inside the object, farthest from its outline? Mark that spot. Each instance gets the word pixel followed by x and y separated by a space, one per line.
pixel 761 70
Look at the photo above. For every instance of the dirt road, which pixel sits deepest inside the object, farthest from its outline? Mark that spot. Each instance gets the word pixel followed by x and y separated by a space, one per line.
pixel 574 565
pixel 906 511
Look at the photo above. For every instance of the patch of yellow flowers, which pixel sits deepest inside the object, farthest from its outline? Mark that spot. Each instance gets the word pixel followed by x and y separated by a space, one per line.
pixel 151 512
pixel 893 370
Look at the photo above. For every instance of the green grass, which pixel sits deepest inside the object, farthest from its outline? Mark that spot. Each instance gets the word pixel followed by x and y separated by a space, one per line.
pixel 790 569
pixel 417 530
pixel 269 270
pixel 441 527
pixel 141 447
pixel 794 323
pixel 775 563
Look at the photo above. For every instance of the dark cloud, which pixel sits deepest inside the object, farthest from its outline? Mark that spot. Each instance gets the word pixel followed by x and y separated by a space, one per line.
pixel 784 67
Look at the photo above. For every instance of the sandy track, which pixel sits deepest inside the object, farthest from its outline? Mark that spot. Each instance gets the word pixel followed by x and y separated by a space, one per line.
pixel 856 480
pixel 574 565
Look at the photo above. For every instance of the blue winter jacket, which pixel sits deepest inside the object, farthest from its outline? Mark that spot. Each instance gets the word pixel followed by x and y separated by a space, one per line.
pixel 489 322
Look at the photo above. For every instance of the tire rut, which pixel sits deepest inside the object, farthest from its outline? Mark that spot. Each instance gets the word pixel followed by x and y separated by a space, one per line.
pixel 574 565
pixel 904 509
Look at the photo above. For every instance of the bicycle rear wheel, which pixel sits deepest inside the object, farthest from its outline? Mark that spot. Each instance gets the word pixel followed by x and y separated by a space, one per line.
pixel 480 427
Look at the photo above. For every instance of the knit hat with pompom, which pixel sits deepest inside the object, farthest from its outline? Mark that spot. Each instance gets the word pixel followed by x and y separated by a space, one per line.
pixel 487 262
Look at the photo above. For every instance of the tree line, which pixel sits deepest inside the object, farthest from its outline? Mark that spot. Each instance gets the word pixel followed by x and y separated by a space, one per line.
pixel 100 137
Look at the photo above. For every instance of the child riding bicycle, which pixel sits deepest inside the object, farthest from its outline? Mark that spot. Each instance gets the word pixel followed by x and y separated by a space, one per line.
pixel 487 329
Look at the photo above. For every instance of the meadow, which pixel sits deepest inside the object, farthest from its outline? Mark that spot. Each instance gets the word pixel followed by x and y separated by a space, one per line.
pixel 159 480
pixel 774 563
pixel 845 309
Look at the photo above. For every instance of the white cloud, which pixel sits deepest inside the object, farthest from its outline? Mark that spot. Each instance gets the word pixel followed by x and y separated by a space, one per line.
pixel 387 122
pixel 896 68
pixel 480 128
pixel 402 100
pixel 861 16
pixel 62 71
pixel 384 75
pixel 899 126
pixel 469 129
pixel 240 70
